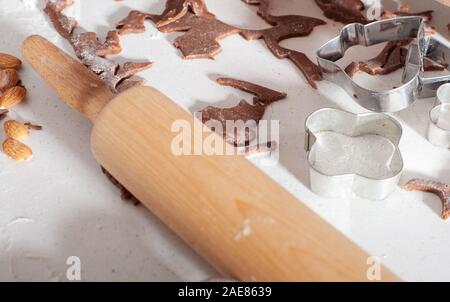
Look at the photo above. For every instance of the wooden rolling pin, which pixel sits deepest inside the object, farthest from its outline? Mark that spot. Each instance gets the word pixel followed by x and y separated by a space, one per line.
pixel 230 212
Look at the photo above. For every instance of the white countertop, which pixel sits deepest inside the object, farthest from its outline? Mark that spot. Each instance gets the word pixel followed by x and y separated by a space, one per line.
pixel 59 204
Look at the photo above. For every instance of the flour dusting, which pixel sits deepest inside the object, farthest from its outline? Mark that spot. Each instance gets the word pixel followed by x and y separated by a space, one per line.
pixel 30 4
pixel 245 231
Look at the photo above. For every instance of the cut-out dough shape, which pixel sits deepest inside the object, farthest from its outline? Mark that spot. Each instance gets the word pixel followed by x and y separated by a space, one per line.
pixel 440 189
pixel 285 27
pixel 92 52
pixel 244 111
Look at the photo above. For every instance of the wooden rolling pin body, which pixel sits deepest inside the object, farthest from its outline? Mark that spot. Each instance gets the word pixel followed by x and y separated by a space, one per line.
pixel 230 212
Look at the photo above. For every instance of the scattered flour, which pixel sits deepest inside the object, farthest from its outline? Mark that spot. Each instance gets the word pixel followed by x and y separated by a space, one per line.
pixel 30 4
pixel 245 231
pixel 32 20
pixel 368 155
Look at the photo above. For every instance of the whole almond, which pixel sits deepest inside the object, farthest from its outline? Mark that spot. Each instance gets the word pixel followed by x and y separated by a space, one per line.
pixel 16 130
pixel 8 78
pixel 12 97
pixel 8 61
pixel 16 150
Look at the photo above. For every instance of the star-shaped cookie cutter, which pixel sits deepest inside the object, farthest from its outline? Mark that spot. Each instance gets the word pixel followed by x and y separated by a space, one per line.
pixel 402 28
pixel 369 185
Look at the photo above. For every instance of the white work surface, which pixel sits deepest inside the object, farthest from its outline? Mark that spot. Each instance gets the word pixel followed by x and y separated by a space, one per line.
pixel 59 204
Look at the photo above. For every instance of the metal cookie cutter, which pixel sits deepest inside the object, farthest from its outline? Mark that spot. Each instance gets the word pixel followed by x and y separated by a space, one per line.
pixel 438 50
pixel 371 34
pixel 353 153
pixel 439 129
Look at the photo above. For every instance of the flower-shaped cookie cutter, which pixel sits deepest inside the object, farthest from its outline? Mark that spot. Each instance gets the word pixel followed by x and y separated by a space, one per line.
pixel 366 182
pixel 402 28
pixel 439 129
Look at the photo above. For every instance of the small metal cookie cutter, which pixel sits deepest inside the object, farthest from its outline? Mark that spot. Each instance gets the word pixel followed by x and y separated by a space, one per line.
pixel 439 129
pixel 334 175
pixel 371 34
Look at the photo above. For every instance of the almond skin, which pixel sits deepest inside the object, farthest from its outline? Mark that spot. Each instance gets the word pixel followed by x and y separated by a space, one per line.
pixel 8 61
pixel 8 79
pixel 16 150
pixel 31 126
pixel 16 130
pixel 3 113
pixel 12 97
